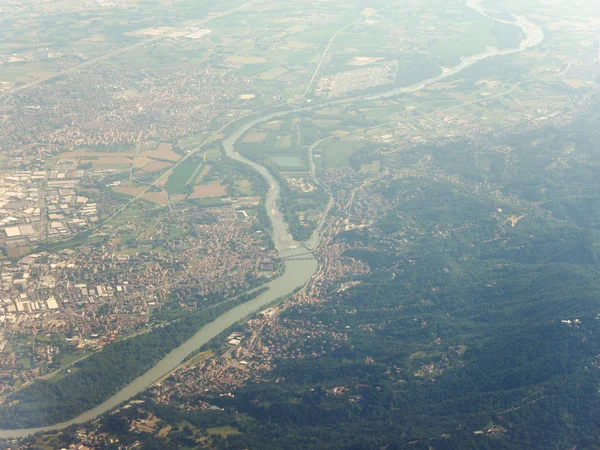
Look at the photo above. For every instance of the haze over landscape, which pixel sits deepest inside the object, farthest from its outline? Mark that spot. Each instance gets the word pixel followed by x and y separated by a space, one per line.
pixel 299 224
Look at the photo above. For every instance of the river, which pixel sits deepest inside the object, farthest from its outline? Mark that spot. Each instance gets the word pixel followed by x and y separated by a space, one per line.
pixel 297 272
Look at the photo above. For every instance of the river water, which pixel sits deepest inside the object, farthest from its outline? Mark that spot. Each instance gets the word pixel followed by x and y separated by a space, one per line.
pixel 297 272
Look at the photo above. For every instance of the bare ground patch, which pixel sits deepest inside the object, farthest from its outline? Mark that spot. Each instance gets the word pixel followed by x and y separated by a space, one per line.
pixel 255 137
pixel 142 161
pixel 131 191
pixel 514 220
pixel 273 73
pixel 209 190
pixel 155 197
pixel 156 166
pixel 164 152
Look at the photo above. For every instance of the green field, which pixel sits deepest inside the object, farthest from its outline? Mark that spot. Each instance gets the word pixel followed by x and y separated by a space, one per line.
pixel 223 431
pixel 288 161
pixel 245 188
pixel 207 202
pixel 178 182
pixel 337 153
pixel 194 178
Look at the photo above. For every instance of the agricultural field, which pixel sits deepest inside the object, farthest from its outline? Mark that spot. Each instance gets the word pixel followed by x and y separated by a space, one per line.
pixel 153 197
pixel 22 71
pixel 208 191
pixel 337 153
pixel 288 162
pixel 164 152
pixel 282 143
pixel 181 178
pixel 245 188
pixel 203 178
pixel 146 161
pixel 97 158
